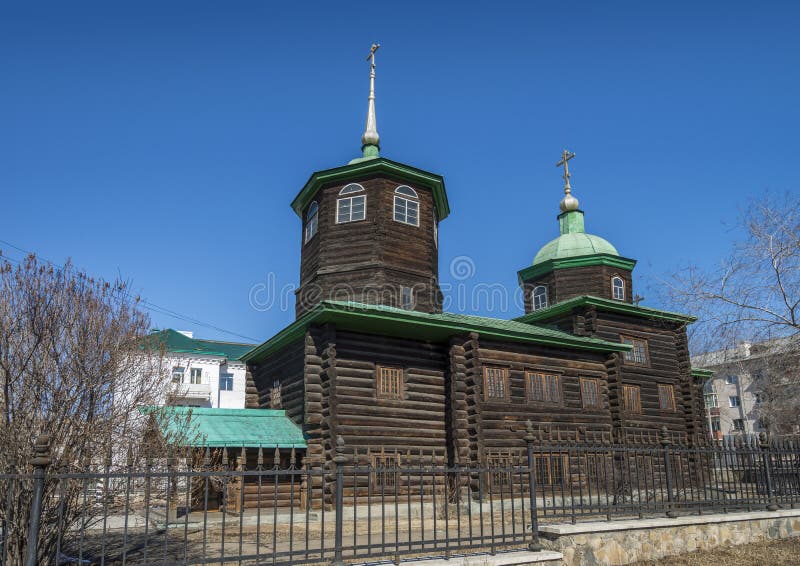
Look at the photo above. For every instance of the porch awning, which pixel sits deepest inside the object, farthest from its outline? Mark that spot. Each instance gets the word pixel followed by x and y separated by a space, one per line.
pixel 231 428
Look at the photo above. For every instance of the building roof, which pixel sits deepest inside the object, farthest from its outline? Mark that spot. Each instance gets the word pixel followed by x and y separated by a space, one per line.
pixel 574 248
pixel 249 428
pixel 352 171
pixel 622 307
pixel 173 341
pixel 435 327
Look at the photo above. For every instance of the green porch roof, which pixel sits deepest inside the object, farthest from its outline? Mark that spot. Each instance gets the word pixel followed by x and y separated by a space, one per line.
pixel 437 327
pixel 622 307
pixel 174 341
pixel 702 373
pixel 367 167
pixel 231 428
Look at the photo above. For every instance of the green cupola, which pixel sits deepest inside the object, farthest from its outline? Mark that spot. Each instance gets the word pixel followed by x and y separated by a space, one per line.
pixel 575 263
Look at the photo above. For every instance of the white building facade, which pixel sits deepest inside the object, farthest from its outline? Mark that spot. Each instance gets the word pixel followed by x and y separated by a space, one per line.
pixel 202 373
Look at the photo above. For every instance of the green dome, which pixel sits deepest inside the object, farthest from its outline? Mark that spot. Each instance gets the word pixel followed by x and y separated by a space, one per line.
pixel 573 241
pixel 574 245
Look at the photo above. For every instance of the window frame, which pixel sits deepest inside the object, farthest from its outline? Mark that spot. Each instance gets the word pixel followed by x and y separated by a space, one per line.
pixel 596 382
pixel 731 379
pixel 631 399
pixel 736 428
pixel 544 288
pixel 505 384
pixel 198 375
pixel 531 376
pixel 716 424
pixel 634 340
pixel 381 472
pixel 673 406
pixel 339 202
pixel 179 370
pixel 396 393
pixel 276 394
pixel 409 196
pixel 543 462
pixel 712 396
pixel 731 404
pixel 403 289
pixel 614 279
pixel 312 222
pixel 227 376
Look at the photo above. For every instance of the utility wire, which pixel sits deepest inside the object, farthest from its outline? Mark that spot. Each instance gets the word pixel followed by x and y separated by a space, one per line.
pixel 148 305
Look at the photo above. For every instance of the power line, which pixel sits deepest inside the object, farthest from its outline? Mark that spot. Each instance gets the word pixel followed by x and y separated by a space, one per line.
pixel 148 305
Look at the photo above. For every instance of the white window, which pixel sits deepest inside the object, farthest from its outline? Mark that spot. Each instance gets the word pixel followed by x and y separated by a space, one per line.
pixel 177 374
pixel 618 288
pixel 226 382
pixel 312 217
pixel 539 297
pixel 406 205
pixel 406 298
pixel 738 425
pixel 351 209
pixel 735 401
pixel 732 380
pixel 196 376
pixel 711 401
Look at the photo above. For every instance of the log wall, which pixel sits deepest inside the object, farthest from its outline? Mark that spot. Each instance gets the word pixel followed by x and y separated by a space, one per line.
pixel 369 260
pixel 563 284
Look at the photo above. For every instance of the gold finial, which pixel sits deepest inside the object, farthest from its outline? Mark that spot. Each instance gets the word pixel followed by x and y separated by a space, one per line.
pixel 569 202
pixel 371 137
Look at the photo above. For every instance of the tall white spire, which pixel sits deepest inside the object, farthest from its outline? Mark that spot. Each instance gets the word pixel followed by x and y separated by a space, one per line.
pixel 370 141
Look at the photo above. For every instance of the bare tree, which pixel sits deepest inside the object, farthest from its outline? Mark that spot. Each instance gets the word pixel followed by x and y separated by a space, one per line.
pixel 72 367
pixel 754 297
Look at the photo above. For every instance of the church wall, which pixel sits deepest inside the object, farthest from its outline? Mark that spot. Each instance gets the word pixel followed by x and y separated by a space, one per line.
pixel 668 365
pixel 500 425
pixel 364 419
pixel 287 367
pixel 563 284
pixel 376 253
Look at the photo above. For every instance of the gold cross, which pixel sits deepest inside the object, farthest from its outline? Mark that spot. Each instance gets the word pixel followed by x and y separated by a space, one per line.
pixel 565 157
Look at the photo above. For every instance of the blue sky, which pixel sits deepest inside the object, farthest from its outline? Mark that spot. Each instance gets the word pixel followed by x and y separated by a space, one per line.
pixel 164 141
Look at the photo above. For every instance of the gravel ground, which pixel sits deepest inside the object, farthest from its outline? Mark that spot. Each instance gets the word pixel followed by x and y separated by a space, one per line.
pixel 772 553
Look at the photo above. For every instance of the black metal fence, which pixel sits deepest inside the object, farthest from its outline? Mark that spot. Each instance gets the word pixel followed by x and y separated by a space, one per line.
pixel 363 507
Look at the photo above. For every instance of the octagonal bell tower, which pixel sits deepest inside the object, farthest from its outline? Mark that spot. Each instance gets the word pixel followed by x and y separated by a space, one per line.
pixel 370 230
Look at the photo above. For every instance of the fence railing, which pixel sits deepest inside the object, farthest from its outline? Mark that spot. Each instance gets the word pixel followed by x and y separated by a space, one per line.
pixel 291 513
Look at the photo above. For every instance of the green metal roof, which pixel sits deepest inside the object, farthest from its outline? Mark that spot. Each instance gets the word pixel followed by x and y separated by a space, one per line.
pixel 174 341
pixel 603 304
pixel 249 428
pixel 702 373
pixel 434 327
pixel 360 168
pixel 574 248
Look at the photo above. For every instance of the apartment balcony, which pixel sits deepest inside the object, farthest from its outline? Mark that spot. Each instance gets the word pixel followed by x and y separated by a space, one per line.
pixel 192 391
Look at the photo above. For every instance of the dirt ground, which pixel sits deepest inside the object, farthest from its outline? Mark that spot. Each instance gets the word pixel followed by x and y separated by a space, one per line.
pixel 772 553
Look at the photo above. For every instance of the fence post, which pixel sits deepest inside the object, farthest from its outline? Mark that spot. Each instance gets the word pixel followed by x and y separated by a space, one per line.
pixel 665 443
pixel 339 460
pixel 40 461
pixel 763 443
pixel 530 437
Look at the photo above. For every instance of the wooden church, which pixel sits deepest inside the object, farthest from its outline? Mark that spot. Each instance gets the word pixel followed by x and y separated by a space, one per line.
pixel 371 356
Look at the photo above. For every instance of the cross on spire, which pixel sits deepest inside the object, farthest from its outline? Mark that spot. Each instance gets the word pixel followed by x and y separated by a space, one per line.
pixel 565 157
pixel 370 141
pixel 569 202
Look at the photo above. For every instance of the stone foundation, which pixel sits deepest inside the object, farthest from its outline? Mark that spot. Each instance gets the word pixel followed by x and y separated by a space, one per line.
pixel 623 542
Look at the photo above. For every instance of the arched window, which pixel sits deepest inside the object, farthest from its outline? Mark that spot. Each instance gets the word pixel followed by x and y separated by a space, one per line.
pixel 406 205
pixel 539 297
pixel 351 209
pixel 311 221
pixel 618 288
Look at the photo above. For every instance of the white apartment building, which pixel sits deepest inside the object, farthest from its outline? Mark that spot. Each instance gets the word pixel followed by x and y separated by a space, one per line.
pixel 203 373
pixel 734 395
